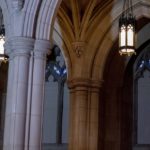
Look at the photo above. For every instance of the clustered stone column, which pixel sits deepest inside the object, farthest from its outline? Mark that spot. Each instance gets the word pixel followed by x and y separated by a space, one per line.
pixel 14 132
pixel 95 114
pixel 84 112
pixel 36 119
pixel 23 117
pixel 8 108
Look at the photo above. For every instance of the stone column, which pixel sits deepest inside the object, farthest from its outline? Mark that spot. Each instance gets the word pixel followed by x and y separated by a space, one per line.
pixel 95 133
pixel 6 140
pixel 37 101
pixel 15 116
pixel 84 104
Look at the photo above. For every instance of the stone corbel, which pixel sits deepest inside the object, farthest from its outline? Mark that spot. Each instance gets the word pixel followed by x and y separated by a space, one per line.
pixel 78 48
pixel 17 4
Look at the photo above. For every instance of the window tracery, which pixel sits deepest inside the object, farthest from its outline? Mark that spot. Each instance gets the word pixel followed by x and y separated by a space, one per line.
pixel 142 64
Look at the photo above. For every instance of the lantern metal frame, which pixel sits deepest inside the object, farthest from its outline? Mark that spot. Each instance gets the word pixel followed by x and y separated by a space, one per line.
pixel 127 23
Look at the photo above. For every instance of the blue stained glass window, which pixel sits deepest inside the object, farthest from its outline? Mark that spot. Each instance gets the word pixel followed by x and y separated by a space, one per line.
pixel 56 65
pixel 57 96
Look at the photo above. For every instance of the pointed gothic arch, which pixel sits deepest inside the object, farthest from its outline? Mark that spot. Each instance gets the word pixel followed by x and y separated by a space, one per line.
pixel 109 38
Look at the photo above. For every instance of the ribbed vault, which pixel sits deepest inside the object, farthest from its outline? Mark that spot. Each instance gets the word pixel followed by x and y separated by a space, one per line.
pixel 96 24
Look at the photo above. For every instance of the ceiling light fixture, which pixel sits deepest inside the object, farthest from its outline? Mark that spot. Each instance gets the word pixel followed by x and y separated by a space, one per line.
pixel 3 57
pixel 127 30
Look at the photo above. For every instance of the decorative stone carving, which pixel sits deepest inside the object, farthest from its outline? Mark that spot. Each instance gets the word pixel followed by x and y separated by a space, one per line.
pixel 17 4
pixel 78 48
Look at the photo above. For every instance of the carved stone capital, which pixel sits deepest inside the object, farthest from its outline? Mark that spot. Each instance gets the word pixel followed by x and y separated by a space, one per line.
pixel 78 48
pixel 80 84
pixel 19 46
pixel 17 4
pixel 42 45
pixel 41 48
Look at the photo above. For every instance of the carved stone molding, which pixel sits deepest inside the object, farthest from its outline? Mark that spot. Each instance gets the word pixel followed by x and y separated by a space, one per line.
pixel 78 48
pixel 17 46
pixel 85 84
pixel 42 45
pixel 42 48
pixel 17 4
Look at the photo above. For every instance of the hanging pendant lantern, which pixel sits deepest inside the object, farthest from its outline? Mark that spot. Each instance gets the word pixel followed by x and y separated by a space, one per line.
pixel 127 30
pixel 2 41
pixel 3 56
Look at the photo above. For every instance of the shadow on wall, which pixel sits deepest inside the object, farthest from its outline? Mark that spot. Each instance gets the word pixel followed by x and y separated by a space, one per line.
pixel 117 102
pixel 117 94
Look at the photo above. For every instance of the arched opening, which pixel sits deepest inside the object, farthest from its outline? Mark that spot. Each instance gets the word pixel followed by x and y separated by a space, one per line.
pixel 115 104
pixel 56 105
pixel 118 96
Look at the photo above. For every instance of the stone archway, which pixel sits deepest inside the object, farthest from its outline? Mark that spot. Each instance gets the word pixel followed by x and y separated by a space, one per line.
pixel 118 95
pixel 28 28
pixel 117 103
pixel 108 38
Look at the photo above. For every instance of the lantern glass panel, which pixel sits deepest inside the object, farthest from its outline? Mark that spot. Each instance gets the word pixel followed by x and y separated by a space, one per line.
pixel 2 41
pixel 130 35
pixel 123 36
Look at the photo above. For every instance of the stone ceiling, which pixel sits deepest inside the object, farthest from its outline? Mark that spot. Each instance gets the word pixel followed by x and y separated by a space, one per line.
pixel 76 16
pixel 82 5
